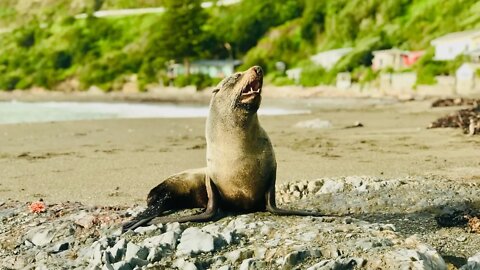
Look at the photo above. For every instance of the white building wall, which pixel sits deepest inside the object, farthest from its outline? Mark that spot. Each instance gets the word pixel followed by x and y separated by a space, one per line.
pixel 450 50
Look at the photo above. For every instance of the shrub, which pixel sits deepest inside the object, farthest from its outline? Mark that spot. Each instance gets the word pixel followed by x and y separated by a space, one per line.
pixel 312 75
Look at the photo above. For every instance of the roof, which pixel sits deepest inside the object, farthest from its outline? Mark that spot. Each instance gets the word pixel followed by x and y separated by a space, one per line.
pixel 457 35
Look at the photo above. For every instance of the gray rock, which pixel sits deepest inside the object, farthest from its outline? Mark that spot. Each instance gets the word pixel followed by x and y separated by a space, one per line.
pixel 296 257
pixel 118 250
pixel 59 247
pixel 143 230
pixel 339 264
pixel 136 251
pixel 122 265
pixel 421 258
pixel 225 267
pixel 155 254
pixel 184 265
pixel 40 236
pixel 331 186
pixel 168 239
pixel 252 264
pixel 137 262
pixel 194 241
pixel 473 263
pixel 239 255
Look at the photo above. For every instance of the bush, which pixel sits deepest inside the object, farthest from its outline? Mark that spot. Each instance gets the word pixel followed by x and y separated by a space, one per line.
pixel 200 81
pixel 312 75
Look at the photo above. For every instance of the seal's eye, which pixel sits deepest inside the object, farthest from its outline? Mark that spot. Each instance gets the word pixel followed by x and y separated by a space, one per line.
pixel 237 76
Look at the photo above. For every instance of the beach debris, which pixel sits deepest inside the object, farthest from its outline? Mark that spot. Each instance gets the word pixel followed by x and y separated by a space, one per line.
pixel 474 225
pixel 356 124
pixel 314 124
pixel 448 102
pixel 37 207
pixel 466 119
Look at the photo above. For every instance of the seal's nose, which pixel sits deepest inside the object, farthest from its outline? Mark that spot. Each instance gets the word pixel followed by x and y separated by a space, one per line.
pixel 257 70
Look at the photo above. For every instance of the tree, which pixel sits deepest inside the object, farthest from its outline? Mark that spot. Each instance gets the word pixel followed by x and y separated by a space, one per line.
pixel 180 31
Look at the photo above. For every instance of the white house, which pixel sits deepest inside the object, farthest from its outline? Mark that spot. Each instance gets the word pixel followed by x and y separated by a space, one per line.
pixel 451 45
pixel 213 68
pixel 466 81
pixel 328 59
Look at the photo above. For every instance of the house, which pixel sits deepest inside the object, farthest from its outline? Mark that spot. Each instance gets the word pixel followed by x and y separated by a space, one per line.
pixel 394 58
pixel 212 68
pixel 451 45
pixel 294 74
pixel 466 80
pixel 328 59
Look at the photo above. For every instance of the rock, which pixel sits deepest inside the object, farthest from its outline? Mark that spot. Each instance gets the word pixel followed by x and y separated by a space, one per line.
pixel 184 265
pixel 252 264
pixel 239 255
pixel 314 124
pixel 314 186
pixel 424 258
pixel 135 251
pixel 225 267
pixel 137 262
pixel 123 265
pixel 194 241
pixel 473 263
pixel 294 258
pixel 85 220
pixel 59 247
pixel 168 239
pixel 143 230
pixel 331 186
pixel 155 254
pixel 337 264
pixel 40 236
pixel 118 250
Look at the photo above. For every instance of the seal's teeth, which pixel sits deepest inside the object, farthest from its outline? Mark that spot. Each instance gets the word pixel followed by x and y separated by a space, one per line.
pixel 251 89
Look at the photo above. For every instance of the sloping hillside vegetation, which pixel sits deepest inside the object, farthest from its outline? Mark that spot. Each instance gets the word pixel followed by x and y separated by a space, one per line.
pixel 47 46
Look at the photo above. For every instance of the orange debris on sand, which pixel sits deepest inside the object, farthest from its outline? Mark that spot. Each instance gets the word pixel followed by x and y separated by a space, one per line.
pixel 37 207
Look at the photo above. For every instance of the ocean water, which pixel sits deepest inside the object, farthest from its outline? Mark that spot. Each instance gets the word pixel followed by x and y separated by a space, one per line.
pixel 28 112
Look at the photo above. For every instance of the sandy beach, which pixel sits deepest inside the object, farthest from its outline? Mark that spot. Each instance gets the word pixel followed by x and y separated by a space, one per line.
pixel 116 162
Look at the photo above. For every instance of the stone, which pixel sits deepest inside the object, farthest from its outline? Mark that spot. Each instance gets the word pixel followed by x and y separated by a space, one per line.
pixel 118 250
pixel 331 186
pixel 184 265
pixel 296 257
pixel 155 254
pixel 473 263
pixel 239 255
pixel 135 251
pixel 122 265
pixel 194 241
pixel 40 236
pixel 59 247
pixel 168 239
pixel 143 230
pixel 252 264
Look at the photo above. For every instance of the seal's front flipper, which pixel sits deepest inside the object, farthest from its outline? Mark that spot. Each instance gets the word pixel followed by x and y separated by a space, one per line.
pixel 211 211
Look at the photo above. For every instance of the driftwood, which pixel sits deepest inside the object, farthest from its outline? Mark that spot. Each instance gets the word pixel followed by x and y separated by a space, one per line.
pixel 466 119
pixel 448 102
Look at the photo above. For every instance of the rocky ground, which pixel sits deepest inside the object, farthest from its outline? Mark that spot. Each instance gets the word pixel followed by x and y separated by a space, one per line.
pixel 386 224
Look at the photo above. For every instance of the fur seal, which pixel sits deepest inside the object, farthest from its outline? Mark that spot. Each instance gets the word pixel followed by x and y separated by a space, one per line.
pixel 241 167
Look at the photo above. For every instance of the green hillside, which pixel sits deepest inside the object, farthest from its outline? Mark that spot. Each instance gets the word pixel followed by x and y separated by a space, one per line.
pixel 47 46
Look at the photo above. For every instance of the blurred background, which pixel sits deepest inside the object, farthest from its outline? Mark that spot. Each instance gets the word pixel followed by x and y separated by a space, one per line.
pixel 126 45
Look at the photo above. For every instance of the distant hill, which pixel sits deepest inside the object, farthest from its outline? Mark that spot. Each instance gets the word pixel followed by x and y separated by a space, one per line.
pixel 49 48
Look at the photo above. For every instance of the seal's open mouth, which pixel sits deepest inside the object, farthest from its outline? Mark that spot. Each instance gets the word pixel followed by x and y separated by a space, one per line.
pixel 252 88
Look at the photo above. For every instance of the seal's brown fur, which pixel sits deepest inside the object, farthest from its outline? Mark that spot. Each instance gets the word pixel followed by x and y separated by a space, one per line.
pixel 241 167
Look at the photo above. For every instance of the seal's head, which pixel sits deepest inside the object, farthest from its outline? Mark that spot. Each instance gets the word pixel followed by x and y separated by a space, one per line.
pixel 241 91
